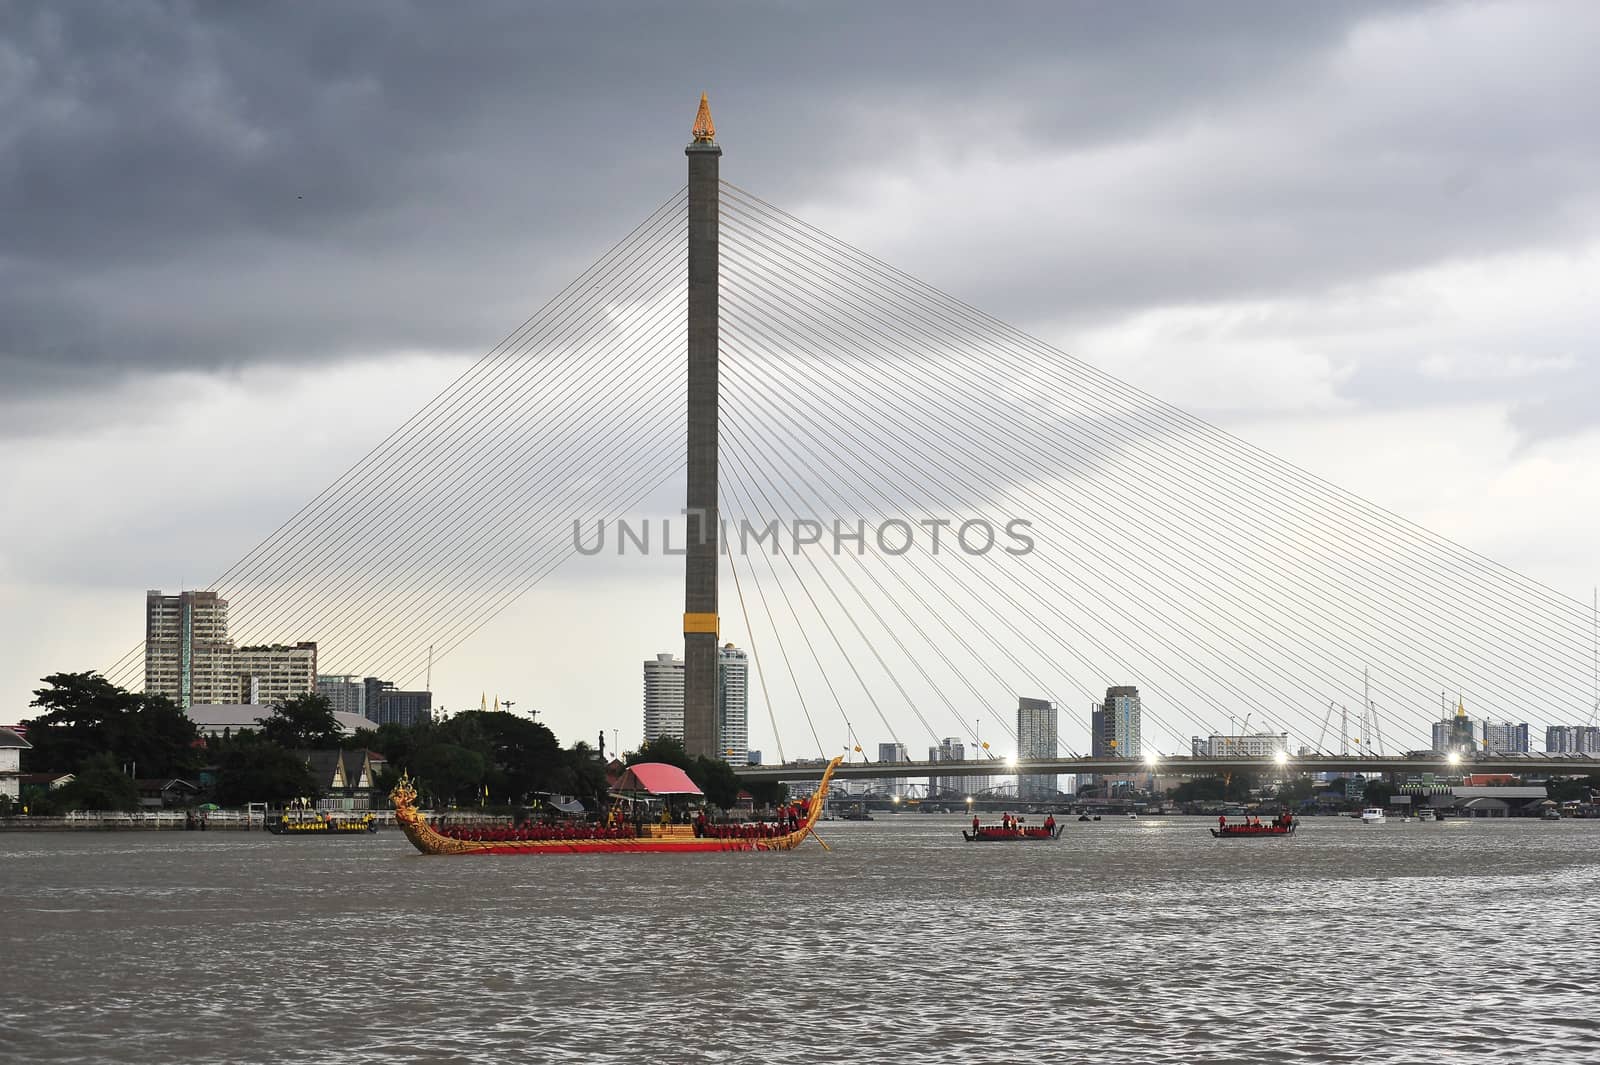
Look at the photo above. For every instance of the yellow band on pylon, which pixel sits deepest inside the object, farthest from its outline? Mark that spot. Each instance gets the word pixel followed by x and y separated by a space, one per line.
pixel 700 623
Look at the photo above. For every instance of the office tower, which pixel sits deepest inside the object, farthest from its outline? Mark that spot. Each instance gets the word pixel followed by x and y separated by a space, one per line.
pixel 1458 734
pixel 388 705
pixel 1116 724
pixel 1505 737
pixel 1036 738
pixel 1572 739
pixel 345 693
pixel 950 749
pixel 892 753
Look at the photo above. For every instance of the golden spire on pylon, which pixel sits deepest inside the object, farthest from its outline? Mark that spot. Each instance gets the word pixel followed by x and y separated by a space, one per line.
pixel 705 131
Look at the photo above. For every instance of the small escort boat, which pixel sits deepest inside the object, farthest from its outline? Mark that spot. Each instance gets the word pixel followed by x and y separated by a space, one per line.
pixel 1016 832
pixel 322 825
pixel 1374 815
pixel 619 836
pixel 1283 826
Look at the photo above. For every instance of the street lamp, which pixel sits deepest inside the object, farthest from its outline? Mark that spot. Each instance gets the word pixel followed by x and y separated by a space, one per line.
pixel 1454 758
pixel 1282 758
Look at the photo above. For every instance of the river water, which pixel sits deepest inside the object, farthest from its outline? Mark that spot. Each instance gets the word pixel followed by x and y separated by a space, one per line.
pixel 1126 941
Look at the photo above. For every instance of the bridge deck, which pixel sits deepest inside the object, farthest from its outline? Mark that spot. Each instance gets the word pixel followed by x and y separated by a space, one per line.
pixel 1569 765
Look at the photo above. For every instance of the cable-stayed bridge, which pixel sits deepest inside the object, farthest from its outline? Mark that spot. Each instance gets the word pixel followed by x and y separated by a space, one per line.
pixel 887 431
pixel 1181 765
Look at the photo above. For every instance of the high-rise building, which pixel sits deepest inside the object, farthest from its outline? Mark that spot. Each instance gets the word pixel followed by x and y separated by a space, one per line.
pixel 1248 745
pixel 270 673
pixel 733 706
pixel 1116 724
pixel 388 705
pixel 950 749
pixel 663 697
pixel 190 659
pixel 185 637
pixel 1036 738
pixel 892 753
pixel 1459 733
pixel 663 701
pixel 1572 739
pixel 1505 737
pixel 345 693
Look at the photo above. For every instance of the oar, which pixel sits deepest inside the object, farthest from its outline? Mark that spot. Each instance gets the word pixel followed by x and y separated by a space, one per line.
pixel 813 834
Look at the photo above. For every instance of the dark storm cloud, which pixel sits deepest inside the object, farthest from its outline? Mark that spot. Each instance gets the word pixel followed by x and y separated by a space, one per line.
pixel 208 186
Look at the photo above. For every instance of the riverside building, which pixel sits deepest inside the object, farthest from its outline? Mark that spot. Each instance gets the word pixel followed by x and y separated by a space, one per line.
pixel 1115 724
pixel 190 659
pixel 891 753
pixel 1248 745
pixel 1505 737
pixel 1572 739
pixel 345 693
pixel 1036 738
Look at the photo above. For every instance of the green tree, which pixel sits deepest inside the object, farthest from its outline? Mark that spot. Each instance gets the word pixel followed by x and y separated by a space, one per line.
pixel 768 792
pixel 449 771
pixel 1377 793
pixel 522 756
pixel 587 774
pixel 1233 788
pixel 1296 791
pixel 302 722
pixel 715 777
pixel 1571 789
pixel 86 715
pixel 664 749
pixel 99 784
pixel 257 770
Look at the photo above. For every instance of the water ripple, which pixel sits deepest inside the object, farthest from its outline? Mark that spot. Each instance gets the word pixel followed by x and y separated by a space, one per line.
pixel 1127 941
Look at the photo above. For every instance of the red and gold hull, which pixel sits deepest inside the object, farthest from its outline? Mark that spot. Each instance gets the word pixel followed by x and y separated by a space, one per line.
pixel 654 839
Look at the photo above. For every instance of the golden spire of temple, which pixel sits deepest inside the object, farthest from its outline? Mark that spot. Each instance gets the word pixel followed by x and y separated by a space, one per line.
pixel 705 131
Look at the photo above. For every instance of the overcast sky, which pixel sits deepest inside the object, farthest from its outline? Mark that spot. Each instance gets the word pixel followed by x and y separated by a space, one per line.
pixel 240 244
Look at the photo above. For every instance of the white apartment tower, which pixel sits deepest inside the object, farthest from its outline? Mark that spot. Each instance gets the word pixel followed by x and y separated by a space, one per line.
pixel 663 697
pixel 663 701
pixel 733 705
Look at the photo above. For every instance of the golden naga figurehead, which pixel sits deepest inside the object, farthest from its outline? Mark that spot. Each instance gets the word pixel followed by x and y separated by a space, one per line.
pixel 404 794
